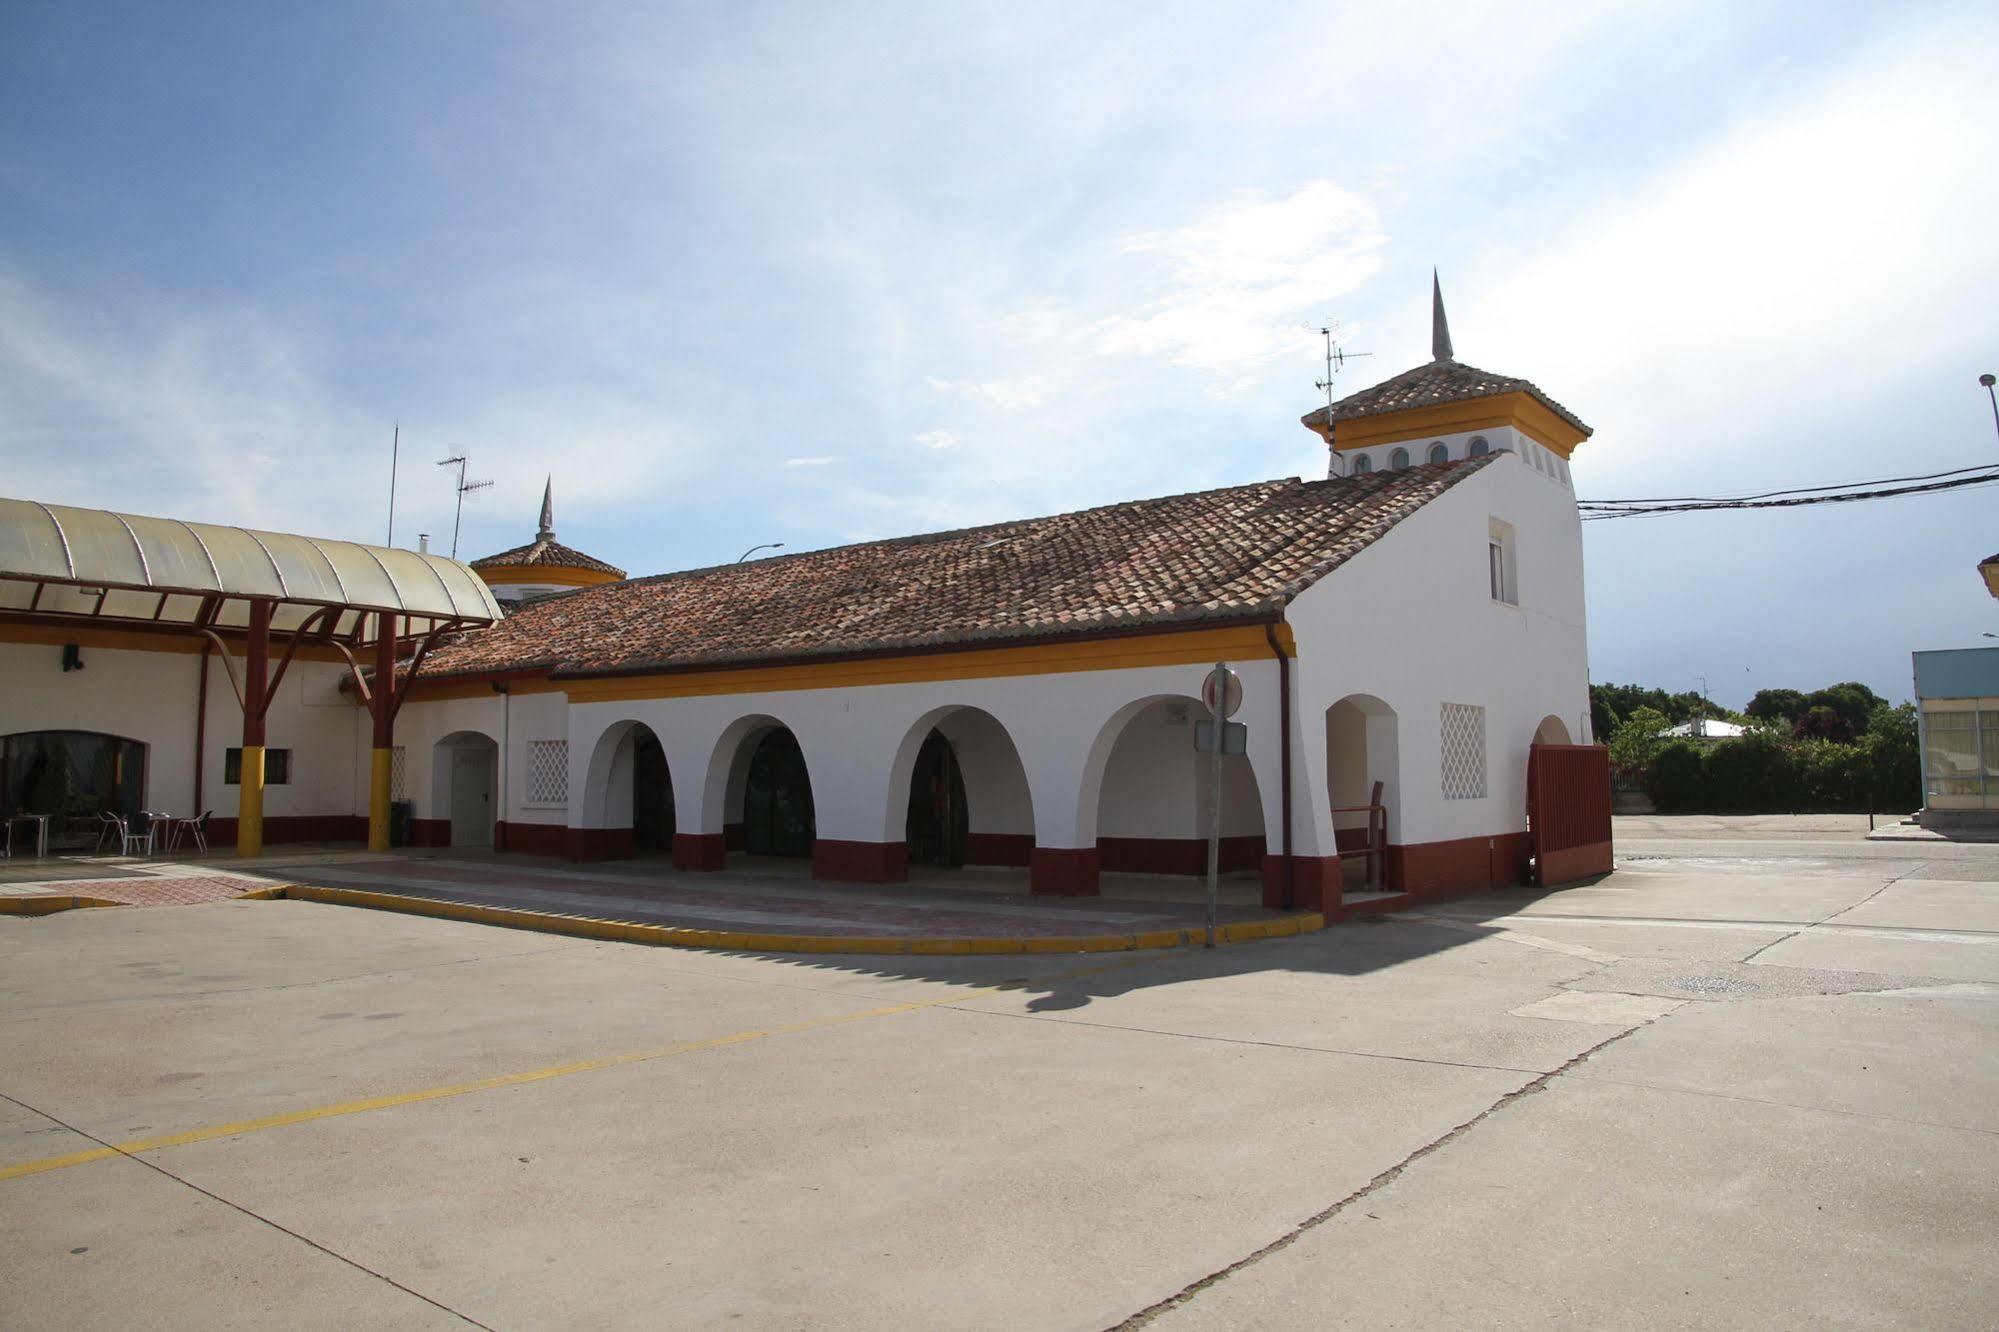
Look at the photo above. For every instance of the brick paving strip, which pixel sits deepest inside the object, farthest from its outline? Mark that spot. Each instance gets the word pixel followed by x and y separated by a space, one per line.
pixel 58 884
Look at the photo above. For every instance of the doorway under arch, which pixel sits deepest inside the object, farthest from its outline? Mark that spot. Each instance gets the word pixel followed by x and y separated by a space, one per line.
pixel 1552 731
pixel 465 769
pixel 1362 749
pixel 770 808
pixel 961 788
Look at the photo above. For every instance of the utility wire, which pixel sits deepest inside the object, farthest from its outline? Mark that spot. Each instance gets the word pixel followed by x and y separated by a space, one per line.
pixel 1597 510
pixel 1795 490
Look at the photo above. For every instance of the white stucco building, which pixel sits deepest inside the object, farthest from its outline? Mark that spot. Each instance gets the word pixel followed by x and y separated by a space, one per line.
pixel 1021 694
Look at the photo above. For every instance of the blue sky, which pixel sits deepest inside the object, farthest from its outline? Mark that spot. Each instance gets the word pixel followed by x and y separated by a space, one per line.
pixel 816 273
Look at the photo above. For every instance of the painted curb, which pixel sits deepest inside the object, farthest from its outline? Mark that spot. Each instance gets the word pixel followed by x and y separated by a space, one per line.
pixel 49 905
pixel 677 936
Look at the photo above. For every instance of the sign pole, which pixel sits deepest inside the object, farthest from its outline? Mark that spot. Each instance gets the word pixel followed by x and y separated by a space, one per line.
pixel 1218 697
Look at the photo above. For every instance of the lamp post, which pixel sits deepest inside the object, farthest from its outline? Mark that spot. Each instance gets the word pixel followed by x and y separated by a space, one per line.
pixel 768 545
pixel 1988 381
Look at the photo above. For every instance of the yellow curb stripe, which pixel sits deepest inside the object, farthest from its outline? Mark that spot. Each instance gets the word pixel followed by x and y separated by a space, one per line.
pixel 681 936
pixel 48 906
pixel 290 1117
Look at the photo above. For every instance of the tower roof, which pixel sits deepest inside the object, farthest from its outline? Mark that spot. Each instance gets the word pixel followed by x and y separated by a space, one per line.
pixel 1444 380
pixel 545 552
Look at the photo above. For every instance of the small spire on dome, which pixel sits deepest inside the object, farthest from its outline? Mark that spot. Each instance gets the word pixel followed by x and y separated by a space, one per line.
pixel 547 532
pixel 1440 328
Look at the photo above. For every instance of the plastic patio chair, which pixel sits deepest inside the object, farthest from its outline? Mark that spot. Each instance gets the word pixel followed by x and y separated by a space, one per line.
pixel 196 827
pixel 115 826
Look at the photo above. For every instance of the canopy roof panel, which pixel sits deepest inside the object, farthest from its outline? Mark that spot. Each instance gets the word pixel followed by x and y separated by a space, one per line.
pixel 64 553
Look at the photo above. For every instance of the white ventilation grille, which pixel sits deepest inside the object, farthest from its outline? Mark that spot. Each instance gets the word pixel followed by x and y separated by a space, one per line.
pixel 548 772
pixel 1462 728
pixel 399 774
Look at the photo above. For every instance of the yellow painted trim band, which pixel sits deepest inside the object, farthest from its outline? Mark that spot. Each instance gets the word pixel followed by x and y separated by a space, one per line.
pixel 677 936
pixel 1518 409
pixel 1189 647
pixel 551 575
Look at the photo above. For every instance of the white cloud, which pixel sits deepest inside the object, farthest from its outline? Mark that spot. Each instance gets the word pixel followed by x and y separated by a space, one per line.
pixel 1006 394
pixel 823 461
pixel 1242 278
pixel 939 439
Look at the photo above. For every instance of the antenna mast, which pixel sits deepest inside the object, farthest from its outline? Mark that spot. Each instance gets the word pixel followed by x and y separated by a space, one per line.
pixel 1336 359
pixel 464 488
pixel 395 452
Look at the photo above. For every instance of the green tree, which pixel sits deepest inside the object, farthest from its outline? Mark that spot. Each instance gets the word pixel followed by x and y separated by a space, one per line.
pixel 1636 741
pixel 1776 705
pixel 1675 778
pixel 1756 774
pixel 1853 701
pixel 1894 760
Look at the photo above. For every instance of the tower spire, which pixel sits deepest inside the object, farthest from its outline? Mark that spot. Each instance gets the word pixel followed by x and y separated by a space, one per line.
pixel 547 532
pixel 1440 329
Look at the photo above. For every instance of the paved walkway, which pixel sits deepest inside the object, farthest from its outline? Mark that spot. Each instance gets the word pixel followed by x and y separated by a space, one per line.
pixel 757 896
pixel 127 881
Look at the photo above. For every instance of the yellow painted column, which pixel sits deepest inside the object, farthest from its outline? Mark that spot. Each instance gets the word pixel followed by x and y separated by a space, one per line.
pixel 381 765
pixel 250 803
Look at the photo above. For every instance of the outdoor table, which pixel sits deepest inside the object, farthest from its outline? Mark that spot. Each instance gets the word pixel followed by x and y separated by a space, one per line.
pixel 41 822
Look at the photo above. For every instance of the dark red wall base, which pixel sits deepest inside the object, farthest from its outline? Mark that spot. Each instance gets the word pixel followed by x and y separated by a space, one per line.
pixel 860 862
pixel 738 836
pixel 1432 870
pixel 1177 855
pixel 434 832
pixel 700 852
pixel 530 839
pixel 1015 850
pixel 598 843
pixel 295 828
pixel 1578 862
pixel 1315 883
pixel 1064 872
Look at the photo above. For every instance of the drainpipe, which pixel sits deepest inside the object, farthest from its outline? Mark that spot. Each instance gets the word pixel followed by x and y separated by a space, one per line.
pixel 1284 750
pixel 200 727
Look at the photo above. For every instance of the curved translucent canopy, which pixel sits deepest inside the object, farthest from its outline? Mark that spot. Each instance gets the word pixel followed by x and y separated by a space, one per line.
pixel 166 570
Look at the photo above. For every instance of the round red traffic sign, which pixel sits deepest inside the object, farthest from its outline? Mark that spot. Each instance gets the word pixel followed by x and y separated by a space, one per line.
pixel 1225 685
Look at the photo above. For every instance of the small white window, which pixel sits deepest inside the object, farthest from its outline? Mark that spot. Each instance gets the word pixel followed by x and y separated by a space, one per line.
pixel 1362 464
pixel 1501 564
pixel 1479 448
pixel 1440 452
pixel 1398 461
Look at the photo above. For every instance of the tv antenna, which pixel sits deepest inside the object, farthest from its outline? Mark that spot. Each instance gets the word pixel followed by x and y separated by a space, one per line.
pixel 1336 360
pixel 464 488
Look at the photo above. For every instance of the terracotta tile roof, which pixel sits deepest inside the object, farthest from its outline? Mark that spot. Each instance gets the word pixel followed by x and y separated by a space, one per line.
pixel 1432 384
pixel 545 552
pixel 1215 555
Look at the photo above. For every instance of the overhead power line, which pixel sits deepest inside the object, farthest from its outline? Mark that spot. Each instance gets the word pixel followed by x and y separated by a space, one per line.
pixel 1957 478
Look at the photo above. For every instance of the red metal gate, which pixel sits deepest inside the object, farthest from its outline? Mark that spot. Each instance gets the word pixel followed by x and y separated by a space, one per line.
pixel 1568 811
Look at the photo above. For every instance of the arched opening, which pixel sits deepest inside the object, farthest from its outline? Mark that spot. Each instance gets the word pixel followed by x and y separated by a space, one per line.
pixel 72 776
pixel 652 793
pixel 1552 731
pixel 939 821
pixel 1153 797
pixel 1362 753
pixel 770 795
pixel 465 768
pixel 966 800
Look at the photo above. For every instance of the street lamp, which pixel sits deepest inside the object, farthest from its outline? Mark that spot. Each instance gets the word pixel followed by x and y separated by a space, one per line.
pixel 768 545
pixel 1988 381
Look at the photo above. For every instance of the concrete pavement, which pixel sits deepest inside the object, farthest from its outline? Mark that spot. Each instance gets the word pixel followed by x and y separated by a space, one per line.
pixel 1662 1099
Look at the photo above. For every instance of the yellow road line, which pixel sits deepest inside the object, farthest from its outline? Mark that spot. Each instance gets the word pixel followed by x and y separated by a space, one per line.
pixel 214 1131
